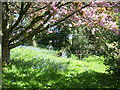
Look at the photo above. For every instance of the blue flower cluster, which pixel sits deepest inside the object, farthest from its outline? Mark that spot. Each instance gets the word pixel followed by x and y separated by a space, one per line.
pixel 28 47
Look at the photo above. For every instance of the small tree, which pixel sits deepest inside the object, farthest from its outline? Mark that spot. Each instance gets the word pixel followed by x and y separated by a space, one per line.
pixel 81 43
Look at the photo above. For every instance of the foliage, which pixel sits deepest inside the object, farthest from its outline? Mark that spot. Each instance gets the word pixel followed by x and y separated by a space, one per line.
pixel 39 68
pixel 21 21
pixel 57 36
pixel 81 42
pixel 113 58
pixel 110 49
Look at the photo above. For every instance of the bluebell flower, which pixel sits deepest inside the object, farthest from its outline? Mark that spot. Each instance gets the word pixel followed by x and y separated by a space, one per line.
pixel 12 80
pixel 61 67
pixel 33 67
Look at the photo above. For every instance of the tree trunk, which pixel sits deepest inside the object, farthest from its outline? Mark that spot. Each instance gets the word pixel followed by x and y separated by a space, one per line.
pixel 5 49
pixel 5 36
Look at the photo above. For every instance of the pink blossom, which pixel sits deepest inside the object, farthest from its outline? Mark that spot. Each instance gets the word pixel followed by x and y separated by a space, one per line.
pixel 112 25
pixel 55 9
pixel 116 10
pixel 114 29
pixel 29 30
pixel 70 25
pixel 95 17
pixel 104 15
pixel 41 22
pixel 53 5
pixel 108 18
pixel 93 31
pixel 101 23
pixel 89 14
pixel 106 4
pixel 85 10
pixel 79 22
pixel 83 23
pixel 76 18
pixel 64 12
pixel 90 24
pixel 98 2
pixel 92 3
pixel 103 20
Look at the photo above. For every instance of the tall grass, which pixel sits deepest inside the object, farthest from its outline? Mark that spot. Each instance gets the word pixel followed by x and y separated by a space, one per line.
pixel 40 68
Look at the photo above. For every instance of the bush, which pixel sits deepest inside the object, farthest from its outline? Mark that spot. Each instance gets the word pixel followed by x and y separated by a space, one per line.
pixel 81 44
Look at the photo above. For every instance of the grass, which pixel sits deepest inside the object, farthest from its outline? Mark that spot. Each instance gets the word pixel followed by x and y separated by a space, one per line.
pixel 40 68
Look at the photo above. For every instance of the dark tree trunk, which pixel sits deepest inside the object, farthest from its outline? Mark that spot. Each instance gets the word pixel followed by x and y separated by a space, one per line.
pixel 5 49
pixel 5 36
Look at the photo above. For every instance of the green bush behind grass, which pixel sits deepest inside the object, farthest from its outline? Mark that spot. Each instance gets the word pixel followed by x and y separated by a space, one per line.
pixel 41 68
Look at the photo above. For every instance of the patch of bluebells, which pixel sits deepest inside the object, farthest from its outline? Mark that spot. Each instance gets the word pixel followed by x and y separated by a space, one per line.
pixel 44 64
pixel 48 65
pixel 36 49
pixel 28 47
pixel 12 80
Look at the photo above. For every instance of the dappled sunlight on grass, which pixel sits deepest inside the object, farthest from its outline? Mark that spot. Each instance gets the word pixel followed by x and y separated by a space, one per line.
pixel 33 68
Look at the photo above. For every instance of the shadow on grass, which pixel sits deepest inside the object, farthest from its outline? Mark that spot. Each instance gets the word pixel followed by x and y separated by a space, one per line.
pixel 47 74
pixel 89 79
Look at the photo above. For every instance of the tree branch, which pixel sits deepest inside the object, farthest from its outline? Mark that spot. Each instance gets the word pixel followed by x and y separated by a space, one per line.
pixel 31 34
pixel 16 44
pixel 68 16
pixel 22 6
pixel 5 16
pixel 64 4
pixel 22 13
pixel 39 9
pixel 30 26
pixel 37 30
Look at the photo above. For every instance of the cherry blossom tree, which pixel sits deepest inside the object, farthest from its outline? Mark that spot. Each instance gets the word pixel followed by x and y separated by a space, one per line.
pixel 21 21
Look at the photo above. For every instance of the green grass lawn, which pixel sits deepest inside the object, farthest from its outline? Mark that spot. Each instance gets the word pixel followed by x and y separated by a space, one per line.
pixel 41 68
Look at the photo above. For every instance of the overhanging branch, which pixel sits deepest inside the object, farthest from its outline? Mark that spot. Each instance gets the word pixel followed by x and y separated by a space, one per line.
pixel 22 13
pixel 30 26
pixel 40 28
pixel 68 16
